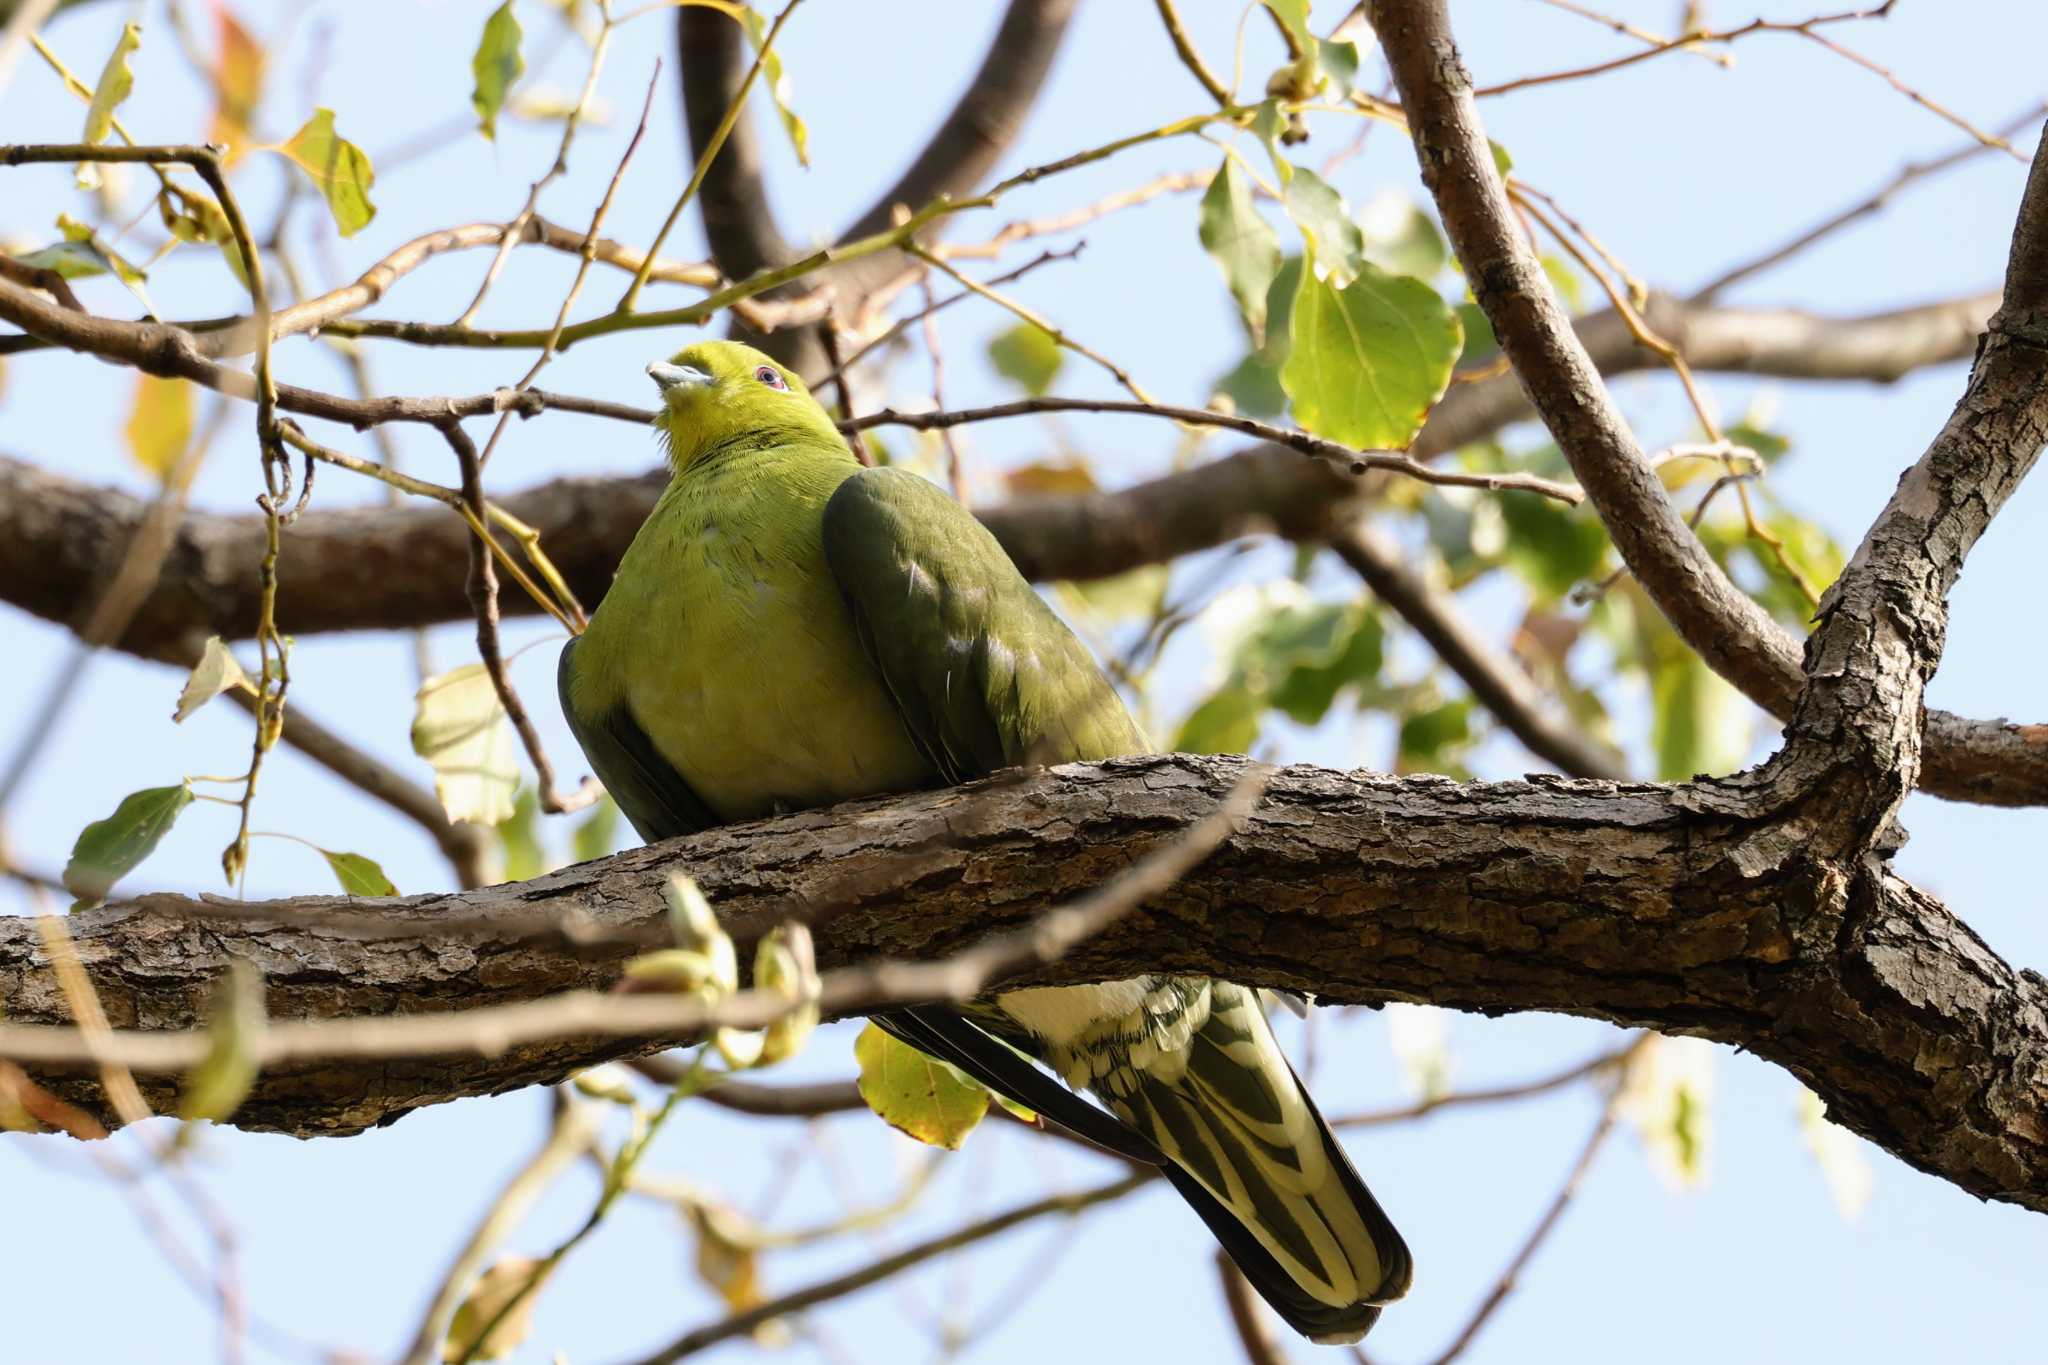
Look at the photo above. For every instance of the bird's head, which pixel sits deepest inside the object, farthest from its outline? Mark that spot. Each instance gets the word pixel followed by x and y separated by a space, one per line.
pixel 721 395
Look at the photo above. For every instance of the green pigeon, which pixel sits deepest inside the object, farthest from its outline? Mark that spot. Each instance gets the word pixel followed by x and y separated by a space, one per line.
pixel 789 630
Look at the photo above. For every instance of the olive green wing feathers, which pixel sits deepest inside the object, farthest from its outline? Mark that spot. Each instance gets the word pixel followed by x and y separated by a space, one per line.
pixel 983 672
pixel 654 796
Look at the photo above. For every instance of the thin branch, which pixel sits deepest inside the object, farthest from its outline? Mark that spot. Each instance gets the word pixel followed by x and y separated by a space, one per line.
pixel 1356 461
pixel 839 1286
pixel 1904 177
pixel 1190 57
pixel 483 596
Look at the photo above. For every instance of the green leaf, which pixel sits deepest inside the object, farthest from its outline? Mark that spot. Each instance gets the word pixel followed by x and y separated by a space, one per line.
pixel 116 81
pixel 214 674
pixel 159 427
pixel 1502 162
pixel 108 850
pixel 1554 548
pixel 359 876
pixel 496 66
pixel 1242 243
pixel 338 167
pixel 1122 597
pixel 1335 245
pixel 81 253
pixel 597 833
pixel 1367 362
pixel 224 1077
pixel 1294 14
pixel 197 218
pixel 1699 725
pixel 459 727
pixel 1339 59
pixel 519 836
pixel 1430 738
pixel 778 86
pixel 929 1100
pixel 1227 723
pixel 1027 356
pixel 1401 239
pixel 1310 688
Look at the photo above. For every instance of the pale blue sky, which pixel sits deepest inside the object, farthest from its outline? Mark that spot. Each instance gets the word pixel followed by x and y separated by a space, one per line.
pixel 1681 167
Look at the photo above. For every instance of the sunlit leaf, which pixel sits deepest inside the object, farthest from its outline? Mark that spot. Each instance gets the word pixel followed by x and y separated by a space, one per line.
pixel 1367 362
pixel 496 65
pixel 1400 238
pixel 1667 1097
pixel 1121 597
pixel 359 876
pixel 1294 14
pixel 1700 723
pixel 108 850
pixel 1420 1038
pixel 338 167
pixel 519 838
pixel 786 964
pixel 497 1290
pixel 1502 162
pixel 597 833
pixel 235 1025
pixel 1335 245
pixel 727 1258
pixel 1311 686
pixel 237 84
pixel 1242 243
pixel 115 83
pixel 195 217
pixel 215 673
pixel 1027 356
pixel 1839 1154
pixel 459 727
pixel 778 85
pixel 159 428
pixel 927 1099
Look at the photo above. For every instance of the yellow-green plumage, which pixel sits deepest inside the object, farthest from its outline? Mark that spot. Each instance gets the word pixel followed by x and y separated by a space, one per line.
pixel 789 630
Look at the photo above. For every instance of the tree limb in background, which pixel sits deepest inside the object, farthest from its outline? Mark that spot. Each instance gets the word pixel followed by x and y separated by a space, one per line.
pixel 1633 903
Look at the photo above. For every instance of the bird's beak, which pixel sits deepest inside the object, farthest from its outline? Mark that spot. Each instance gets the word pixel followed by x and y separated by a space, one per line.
pixel 678 376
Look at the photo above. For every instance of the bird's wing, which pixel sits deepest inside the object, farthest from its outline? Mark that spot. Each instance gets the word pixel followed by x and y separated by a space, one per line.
pixel 654 796
pixel 984 674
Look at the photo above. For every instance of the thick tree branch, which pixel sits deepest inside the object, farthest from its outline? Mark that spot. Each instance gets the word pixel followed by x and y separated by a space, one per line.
pixel 1626 902
pixel 1720 622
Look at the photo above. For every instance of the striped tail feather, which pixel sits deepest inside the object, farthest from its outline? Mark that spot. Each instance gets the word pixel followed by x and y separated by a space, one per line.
pixel 1201 1089
pixel 1246 1147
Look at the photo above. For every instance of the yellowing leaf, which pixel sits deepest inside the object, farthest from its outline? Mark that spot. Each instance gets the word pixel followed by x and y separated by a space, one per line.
pixel 496 65
pixel 237 84
pixel 1839 1154
pixel 499 1304
pixel 927 1099
pixel 338 167
pixel 108 850
pixel 459 727
pixel 159 428
pixel 221 1081
pixel 359 876
pixel 1050 478
pixel 1421 1045
pixel 1667 1096
pixel 214 674
pixel 195 217
pixel 726 1254
pixel 1367 362
pixel 1242 243
pixel 778 86
pixel 116 80
pixel 1027 355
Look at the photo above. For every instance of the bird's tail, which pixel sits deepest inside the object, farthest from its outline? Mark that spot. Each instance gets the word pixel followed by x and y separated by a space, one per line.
pixel 1247 1149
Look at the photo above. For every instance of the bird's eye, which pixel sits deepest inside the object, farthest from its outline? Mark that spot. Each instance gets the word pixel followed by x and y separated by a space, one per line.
pixel 770 376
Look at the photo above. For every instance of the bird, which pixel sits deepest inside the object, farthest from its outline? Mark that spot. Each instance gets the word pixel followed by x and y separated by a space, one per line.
pixel 790 629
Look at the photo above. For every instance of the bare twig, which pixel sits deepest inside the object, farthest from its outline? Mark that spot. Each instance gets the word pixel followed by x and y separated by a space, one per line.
pixel 1189 56
pixel 1356 461
pixel 839 1286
